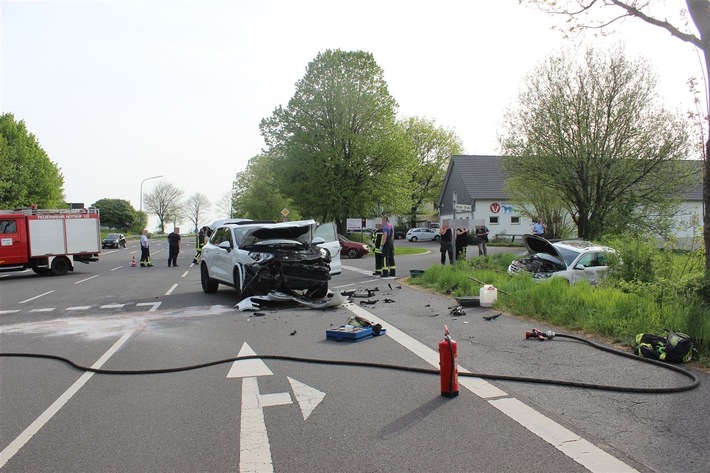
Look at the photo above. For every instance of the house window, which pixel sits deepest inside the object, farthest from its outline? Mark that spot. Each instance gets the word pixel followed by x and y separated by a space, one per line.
pixel 515 220
pixel 493 220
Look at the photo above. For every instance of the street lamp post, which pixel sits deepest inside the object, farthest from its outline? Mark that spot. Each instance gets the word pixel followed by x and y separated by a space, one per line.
pixel 146 179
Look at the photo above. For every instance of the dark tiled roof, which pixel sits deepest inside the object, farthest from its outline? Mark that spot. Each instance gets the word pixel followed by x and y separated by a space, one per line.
pixel 482 177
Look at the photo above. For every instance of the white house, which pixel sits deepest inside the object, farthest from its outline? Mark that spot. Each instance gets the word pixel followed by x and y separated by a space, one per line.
pixel 477 181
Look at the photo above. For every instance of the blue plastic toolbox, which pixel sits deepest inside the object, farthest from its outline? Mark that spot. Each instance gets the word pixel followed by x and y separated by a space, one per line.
pixel 353 334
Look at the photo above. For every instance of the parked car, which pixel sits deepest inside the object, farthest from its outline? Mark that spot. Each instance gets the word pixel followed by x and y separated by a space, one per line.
pixel 573 260
pixel 399 234
pixel 353 249
pixel 257 258
pixel 114 240
pixel 435 226
pixel 423 234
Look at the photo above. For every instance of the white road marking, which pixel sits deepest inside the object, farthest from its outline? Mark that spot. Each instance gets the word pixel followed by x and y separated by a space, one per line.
pixel 248 368
pixel 83 280
pixel 254 448
pixel 79 307
pixel 112 306
pixel 154 305
pixel 45 309
pixel 35 426
pixel 308 398
pixel 36 297
pixel 117 267
pixel 582 451
pixel 170 291
pixel 185 273
pixel 9 311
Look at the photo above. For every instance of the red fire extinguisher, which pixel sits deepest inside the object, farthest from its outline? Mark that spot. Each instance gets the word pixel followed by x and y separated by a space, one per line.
pixel 448 365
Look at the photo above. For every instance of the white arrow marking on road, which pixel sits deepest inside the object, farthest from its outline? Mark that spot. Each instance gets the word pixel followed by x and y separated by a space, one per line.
pixel 308 398
pixel 254 448
pixel 248 368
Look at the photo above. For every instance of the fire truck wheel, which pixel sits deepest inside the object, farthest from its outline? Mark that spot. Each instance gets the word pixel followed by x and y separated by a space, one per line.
pixel 41 271
pixel 60 266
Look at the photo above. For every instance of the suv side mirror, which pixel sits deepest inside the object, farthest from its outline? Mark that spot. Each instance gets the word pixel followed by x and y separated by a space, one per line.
pixel 226 245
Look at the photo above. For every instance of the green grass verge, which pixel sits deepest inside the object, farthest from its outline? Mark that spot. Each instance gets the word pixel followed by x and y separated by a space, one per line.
pixel 605 311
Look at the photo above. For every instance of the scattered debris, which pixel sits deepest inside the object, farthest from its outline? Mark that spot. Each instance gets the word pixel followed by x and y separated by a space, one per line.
pixel 293 333
pixel 369 302
pixel 457 310
pixel 252 303
pixel 259 314
pixel 492 317
pixel 389 300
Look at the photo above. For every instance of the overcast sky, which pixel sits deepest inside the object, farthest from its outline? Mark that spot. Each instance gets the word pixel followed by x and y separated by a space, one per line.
pixel 118 91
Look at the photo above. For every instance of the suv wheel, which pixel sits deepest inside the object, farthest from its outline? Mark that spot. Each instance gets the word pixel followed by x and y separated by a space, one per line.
pixel 209 285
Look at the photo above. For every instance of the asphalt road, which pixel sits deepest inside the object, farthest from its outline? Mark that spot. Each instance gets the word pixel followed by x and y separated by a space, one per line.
pixel 290 416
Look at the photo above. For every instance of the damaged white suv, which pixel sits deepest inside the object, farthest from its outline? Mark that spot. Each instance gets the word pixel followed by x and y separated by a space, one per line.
pixel 257 258
pixel 573 260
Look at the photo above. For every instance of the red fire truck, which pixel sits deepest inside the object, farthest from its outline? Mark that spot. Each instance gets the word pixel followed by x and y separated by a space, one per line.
pixel 48 241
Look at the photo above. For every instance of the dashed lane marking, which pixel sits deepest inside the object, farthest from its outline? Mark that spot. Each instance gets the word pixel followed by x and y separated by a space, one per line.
pixel 84 280
pixel 36 297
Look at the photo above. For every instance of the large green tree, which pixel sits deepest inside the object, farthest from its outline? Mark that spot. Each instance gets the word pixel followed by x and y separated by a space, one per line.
pixel 337 147
pixel 433 148
pixel 603 15
pixel 588 130
pixel 27 175
pixel 116 213
pixel 165 202
pixel 256 194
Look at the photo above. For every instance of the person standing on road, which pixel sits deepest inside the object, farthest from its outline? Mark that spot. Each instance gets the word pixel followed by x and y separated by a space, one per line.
pixel 461 243
pixel 388 268
pixel 447 243
pixel 145 249
pixel 173 247
pixel 199 243
pixel 539 228
pixel 482 239
pixel 377 236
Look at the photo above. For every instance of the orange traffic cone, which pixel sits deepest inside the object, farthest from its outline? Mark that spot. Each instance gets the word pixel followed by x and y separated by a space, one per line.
pixel 133 262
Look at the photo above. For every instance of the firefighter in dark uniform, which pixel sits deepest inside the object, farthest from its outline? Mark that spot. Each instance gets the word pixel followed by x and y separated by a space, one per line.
pixel 199 243
pixel 388 268
pixel 377 249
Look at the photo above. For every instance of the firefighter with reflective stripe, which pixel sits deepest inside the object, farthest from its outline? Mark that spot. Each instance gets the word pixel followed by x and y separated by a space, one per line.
pixel 199 243
pixel 377 249
pixel 387 246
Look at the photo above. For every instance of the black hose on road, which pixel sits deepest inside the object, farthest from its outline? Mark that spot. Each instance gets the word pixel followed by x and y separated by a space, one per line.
pixel 522 379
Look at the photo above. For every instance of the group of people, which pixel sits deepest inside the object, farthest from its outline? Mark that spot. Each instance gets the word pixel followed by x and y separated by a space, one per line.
pixel 173 247
pixel 459 243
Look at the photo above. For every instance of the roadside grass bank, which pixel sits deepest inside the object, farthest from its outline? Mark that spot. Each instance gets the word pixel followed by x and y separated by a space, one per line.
pixel 610 310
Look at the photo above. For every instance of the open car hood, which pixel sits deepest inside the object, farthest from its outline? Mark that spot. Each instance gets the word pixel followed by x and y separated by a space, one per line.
pixel 535 244
pixel 301 231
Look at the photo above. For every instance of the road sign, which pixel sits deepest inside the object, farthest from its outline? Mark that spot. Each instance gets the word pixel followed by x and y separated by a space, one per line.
pixel 462 208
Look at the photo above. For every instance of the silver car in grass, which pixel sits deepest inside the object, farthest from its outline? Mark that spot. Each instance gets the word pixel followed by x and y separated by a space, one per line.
pixel 573 260
pixel 257 258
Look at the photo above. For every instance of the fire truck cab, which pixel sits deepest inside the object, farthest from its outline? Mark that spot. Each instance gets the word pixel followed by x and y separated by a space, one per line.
pixel 48 241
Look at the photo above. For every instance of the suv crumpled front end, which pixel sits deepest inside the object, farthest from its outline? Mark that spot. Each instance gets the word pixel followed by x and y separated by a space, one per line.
pixel 543 259
pixel 287 268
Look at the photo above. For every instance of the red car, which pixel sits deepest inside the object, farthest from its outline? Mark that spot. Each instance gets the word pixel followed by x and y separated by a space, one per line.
pixel 353 249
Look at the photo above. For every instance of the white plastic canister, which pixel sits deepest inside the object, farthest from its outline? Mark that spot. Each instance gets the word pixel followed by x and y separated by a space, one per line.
pixel 488 295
